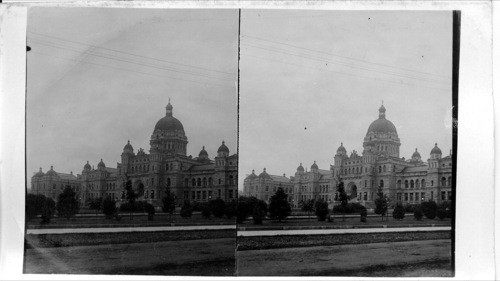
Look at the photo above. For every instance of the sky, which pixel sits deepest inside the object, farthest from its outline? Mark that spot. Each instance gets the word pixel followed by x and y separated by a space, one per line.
pixel 98 77
pixel 313 79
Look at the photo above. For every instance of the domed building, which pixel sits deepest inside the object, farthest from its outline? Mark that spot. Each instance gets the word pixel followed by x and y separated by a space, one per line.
pixel 166 167
pixel 379 166
pixel 265 185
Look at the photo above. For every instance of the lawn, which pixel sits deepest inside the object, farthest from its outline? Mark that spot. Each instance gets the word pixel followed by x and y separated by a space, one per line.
pixel 347 222
pixel 246 243
pixel 138 220
pixel 86 239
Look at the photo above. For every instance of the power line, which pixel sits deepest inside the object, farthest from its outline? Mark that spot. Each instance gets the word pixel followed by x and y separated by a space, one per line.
pixel 344 57
pixel 134 71
pixel 112 57
pixel 131 54
pixel 343 73
pixel 281 51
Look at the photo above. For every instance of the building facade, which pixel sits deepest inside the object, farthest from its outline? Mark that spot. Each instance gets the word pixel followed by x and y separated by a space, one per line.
pixel 166 167
pixel 408 181
pixel 265 185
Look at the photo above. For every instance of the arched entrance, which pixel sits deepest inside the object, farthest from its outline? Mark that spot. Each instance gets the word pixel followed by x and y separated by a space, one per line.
pixel 352 191
pixel 139 188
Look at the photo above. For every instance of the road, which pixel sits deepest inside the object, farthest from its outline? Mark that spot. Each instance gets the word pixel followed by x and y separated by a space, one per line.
pixel 347 260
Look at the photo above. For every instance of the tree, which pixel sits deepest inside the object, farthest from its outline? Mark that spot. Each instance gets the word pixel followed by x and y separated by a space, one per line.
pixel 343 198
pixel 429 209
pixel 48 210
pixel 307 205
pixel 108 207
pixel 94 204
pixel 217 207
pixel 130 195
pixel 245 208
pixel 168 203
pixel 398 212
pixel 150 209
pixel 186 209
pixel 231 209
pixel 259 212
pixel 34 204
pixel 205 212
pixel 381 204
pixel 67 204
pixel 441 213
pixel 279 207
pixel 363 215
pixel 321 210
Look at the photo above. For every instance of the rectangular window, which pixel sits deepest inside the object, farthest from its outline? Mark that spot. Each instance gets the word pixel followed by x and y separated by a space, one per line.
pixel 399 196
pixel 230 194
pixel 152 194
pixel 210 194
pixel 411 196
pixel 449 195
pixel 432 195
pixel 204 194
pixel 147 194
pixel 443 195
pixel 198 195
pixel 186 194
pixel 365 196
pixel 423 196
pixel 219 193
pixel 406 196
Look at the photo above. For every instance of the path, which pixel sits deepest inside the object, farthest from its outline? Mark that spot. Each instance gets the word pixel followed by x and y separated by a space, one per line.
pixel 128 229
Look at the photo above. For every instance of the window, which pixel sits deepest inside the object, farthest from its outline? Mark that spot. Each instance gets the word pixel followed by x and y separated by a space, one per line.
pixel 399 196
pixel 168 182
pixel 204 194
pixel 194 182
pixel 230 194
pixel 199 181
pixel 423 183
pixel 204 182
pixel 412 184
pixel 365 196
pixel 381 183
pixel 432 183
pixel 380 169
pixel 210 183
pixel 449 181
pixel 146 196
pixel 406 196
pixel 443 181
pixel 152 194
pixel 193 195
pixel 384 168
pixel 443 195
pixel 432 195
pixel 406 184
pixel 210 194
pixel 398 185
pixel 417 183
pixel 220 181
pixel 231 180
pixel 411 196
pixel 186 182
pixel 267 188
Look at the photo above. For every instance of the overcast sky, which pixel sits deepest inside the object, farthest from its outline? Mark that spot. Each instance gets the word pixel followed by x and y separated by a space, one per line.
pixel 98 77
pixel 311 80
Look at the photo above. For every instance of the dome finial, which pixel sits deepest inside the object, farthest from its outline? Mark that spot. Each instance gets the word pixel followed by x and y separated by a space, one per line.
pixel 381 111
pixel 169 108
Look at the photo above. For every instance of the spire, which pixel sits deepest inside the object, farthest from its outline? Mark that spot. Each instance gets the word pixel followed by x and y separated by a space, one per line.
pixel 169 108
pixel 381 111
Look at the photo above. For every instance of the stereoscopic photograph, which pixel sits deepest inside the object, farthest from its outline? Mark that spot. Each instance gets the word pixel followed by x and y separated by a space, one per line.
pixel 346 143
pixel 131 141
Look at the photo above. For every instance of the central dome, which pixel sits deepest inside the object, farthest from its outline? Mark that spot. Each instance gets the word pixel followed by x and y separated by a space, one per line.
pixel 169 122
pixel 382 125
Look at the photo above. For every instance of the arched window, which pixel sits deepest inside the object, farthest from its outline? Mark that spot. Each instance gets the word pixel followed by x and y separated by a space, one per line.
pixel 204 182
pixel 432 183
pixel 443 181
pixel 186 182
pixel 168 182
pixel 220 181
pixel 406 183
pixel 210 183
pixel 384 168
pixel 231 180
pixel 194 182
pixel 423 183
pixel 199 181
pixel 399 184
pixel 380 169
pixel 449 181
pixel 381 183
pixel 412 184
pixel 417 183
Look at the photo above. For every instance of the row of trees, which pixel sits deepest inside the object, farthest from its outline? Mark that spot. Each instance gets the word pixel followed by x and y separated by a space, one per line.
pixel 39 205
pixel 279 208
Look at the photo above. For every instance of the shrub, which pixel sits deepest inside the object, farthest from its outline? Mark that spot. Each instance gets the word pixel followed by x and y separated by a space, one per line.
pixel 67 204
pixel 410 208
pixel 94 204
pixel 186 210
pixel 381 203
pixel 399 212
pixel 307 205
pixel 245 208
pixel 418 214
pixel 150 209
pixel 441 213
pixel 349 208
pixel 448 207
pixel 205 213
pixel 321 210
pixel 259 212
pixel 279 207
pixel 231 209
pixel 429 209
pixel 363 215
pixel 217 207
pixel 108 207
pixel 127 207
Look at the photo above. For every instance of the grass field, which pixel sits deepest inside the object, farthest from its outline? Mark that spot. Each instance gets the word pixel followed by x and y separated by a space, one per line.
pixel 293 241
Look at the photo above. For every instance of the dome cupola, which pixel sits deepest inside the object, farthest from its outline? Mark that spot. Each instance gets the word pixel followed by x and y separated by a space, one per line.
pixel 252 175
pixel 39 173
pixel 300 168
pixel 87 167
pixel 341 150
pixel 436 152
pixel 203 152
pixel 264 175
pixel 416 156
pixel 382 136
pixel 314 167
pixel 223 150
pixel 101 165
pixel 168 136
pixel 51 172
pixel 127 148
pixel 169 123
